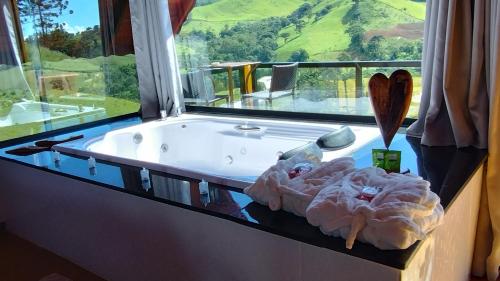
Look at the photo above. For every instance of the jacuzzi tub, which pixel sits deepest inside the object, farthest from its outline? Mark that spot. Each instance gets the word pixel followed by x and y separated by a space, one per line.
pixel 224 150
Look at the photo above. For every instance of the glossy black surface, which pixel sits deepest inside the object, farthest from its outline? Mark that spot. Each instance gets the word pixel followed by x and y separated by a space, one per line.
pixel 447 168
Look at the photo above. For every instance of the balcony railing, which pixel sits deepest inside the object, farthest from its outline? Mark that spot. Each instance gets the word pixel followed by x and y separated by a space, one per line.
pixel 358 66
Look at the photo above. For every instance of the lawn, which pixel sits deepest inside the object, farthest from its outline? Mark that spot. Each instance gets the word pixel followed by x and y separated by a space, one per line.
pixel 113 106
pixel 322 39
pixel 412 8
pixel 86 87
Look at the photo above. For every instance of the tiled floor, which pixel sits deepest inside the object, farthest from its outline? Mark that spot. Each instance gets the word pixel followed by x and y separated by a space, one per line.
pixel 21 260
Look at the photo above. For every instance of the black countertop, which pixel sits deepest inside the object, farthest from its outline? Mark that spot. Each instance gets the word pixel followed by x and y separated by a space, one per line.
pixel 447 168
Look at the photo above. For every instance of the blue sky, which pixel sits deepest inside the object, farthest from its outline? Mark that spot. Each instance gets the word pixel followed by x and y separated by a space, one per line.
pixel 85 14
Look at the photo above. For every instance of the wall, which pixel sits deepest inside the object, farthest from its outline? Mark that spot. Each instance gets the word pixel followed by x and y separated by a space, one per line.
pixel 447 253
pixel 123 237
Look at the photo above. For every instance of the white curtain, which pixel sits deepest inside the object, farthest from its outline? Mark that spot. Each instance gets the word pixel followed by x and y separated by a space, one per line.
pixel 157 67
pixel 461 101
pixel 12 74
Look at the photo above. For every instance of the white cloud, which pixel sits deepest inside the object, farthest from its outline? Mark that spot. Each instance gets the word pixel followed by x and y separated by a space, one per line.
pixel 73 28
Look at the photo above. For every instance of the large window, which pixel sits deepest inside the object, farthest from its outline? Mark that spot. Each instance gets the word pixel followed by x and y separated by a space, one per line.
pixel 340 44
pixel 63 63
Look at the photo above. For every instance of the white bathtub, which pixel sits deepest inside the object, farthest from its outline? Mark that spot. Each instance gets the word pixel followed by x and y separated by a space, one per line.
pixel 212 148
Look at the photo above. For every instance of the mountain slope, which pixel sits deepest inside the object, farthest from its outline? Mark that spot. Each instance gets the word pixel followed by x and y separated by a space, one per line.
pixel 216 15
pixel 323 37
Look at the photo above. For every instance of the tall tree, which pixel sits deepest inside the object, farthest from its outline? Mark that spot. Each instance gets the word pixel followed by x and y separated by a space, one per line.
pixel 44 13
pixel 357 33
pixel 374 49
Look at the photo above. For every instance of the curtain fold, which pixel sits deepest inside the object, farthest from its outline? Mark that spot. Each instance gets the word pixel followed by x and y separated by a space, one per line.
pixel 11 58
pixel 9 54
pixel 179 11
pixel 493 175
pixel 454 102
pixel 157 67
pixel 460 102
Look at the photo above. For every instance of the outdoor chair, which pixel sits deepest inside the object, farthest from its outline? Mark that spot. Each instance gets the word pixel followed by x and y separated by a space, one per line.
pixel 282 84
pixel 199 88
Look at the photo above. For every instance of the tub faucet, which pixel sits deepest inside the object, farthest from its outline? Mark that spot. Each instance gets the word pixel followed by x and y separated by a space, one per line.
pixel 178 111
pixel 163 114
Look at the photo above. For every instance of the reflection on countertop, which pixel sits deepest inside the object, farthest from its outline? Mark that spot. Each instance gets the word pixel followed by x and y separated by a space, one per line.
pixel 447 168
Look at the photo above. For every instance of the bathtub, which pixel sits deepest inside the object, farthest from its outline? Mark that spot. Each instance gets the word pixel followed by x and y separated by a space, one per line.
pixel 223 150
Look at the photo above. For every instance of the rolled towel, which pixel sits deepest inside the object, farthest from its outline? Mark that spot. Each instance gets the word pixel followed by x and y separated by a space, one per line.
pixel 404 210
pixel 275 189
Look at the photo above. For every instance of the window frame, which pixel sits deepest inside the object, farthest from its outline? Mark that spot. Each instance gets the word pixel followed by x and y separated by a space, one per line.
pixel 107 50
pixel 236 112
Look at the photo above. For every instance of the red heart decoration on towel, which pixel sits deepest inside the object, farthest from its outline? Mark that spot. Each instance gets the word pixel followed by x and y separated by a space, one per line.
pixel 391 98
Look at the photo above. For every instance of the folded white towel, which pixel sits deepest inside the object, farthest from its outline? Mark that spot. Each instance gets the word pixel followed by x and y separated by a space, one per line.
pixel 403 212
pixel 275 189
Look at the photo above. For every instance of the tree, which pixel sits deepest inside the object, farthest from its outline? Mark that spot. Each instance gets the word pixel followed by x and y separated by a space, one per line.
pixel 45 12
pixel 85 44
pixel 88 43
pixel 323 12
pixel 285 36
pixel 256 41
pixel 299 25
pixel 304 10
pixel 374 50
pixel 353 14
pixel 299 55
pixel 357 33
pixel 57 40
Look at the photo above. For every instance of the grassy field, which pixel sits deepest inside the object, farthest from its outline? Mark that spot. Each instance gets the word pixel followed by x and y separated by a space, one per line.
pixel 88 81
pixel 113 106
pixel 324 39
pixel 229 12
pixel 412 8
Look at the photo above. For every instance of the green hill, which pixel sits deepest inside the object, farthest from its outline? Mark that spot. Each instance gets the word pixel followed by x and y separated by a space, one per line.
pixel 324 37
pixel 220 13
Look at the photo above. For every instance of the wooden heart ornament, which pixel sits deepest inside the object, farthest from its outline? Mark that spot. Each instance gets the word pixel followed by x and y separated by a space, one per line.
pixel 391 98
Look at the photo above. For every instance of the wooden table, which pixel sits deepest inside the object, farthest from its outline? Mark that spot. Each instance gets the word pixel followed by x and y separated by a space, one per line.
pixel 246 68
